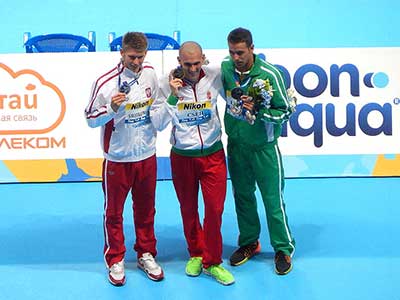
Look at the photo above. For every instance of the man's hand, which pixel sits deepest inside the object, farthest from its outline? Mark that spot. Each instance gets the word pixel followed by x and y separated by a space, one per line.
pixel 117 100
pixel 174 84
pixel 248 102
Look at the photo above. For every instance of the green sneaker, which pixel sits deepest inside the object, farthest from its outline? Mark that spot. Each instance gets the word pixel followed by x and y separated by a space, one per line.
pixel 194 266
pixel 222 275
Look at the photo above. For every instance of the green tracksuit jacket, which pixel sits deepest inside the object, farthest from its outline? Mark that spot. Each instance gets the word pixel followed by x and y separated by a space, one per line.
pixel 254 156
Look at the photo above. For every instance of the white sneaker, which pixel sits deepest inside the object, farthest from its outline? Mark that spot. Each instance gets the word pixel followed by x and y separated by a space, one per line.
pixel 149 265
pixel 116 274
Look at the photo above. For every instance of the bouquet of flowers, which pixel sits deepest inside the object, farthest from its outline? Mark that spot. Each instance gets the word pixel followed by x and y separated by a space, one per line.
pixel 236 106
pixel 260 93
pixel 292 100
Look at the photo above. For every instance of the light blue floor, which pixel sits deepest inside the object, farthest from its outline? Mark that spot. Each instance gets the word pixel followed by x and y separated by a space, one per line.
pixel 347 234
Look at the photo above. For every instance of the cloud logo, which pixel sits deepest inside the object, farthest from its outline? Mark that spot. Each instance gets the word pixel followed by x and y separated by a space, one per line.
pixel 29 104
pixel 376 80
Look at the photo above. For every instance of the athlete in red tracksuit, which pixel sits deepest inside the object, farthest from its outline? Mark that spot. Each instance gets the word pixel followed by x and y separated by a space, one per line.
pixel 120 103
pixel 197 157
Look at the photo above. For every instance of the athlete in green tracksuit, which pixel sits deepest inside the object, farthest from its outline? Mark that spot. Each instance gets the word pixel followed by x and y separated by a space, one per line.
pixel 253 152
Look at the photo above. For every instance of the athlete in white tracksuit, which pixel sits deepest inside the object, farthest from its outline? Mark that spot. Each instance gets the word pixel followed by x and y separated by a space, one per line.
pixel 197 157
pixel 128 140
pixel 195 120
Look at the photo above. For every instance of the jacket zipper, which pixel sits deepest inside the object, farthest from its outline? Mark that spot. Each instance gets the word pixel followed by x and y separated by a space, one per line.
pixel 198 126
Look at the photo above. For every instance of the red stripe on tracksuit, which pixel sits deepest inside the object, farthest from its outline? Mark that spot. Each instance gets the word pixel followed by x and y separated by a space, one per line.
pixel 107 135
pixel 210 172
pixel 118 179
pixel 97 87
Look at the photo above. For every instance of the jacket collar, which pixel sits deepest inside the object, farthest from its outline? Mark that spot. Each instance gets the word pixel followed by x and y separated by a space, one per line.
pixel 187 82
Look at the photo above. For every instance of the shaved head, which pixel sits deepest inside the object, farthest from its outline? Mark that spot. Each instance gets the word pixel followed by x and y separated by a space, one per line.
pixel 190 47
pixel 191 58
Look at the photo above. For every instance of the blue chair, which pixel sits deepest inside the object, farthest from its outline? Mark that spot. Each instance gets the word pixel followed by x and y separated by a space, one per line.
pixel 155 42
pixel 59 42
pixel 261 55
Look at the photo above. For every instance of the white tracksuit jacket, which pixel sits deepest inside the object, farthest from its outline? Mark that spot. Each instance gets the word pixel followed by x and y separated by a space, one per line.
pixel 128 134
pixel 195 121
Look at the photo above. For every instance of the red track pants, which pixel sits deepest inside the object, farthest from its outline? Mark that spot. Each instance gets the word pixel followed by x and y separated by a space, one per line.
pixel 118 179
pixel 210 172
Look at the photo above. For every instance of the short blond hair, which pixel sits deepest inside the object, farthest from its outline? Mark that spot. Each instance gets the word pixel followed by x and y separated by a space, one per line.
pixel 134 40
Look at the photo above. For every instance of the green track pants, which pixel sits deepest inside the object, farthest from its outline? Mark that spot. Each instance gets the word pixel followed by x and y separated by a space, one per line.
pixel 249 165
